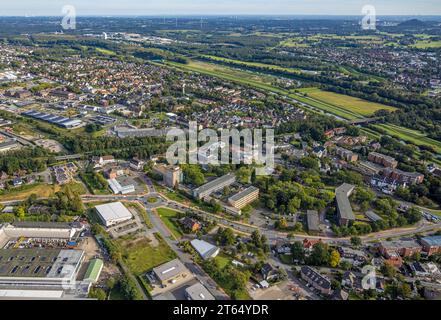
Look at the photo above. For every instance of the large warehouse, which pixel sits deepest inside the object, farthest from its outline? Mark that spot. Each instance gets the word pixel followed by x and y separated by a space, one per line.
pixel 39 268
pixel 113 213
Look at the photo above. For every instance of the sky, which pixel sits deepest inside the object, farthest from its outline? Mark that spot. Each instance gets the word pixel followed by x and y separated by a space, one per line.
pixel 219 7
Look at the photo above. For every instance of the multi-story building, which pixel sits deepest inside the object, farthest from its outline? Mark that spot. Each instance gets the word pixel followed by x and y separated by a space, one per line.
pixel 315 279
pixel 213 186
pixel 172 176
pixel 346 154
pixel 344 209
pixel 403 177
pixel 431 245
pixel 241 199
pixel 383 159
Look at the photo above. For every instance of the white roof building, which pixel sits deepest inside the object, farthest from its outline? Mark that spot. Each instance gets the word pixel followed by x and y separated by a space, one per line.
pixel 113 213
pixel 206 250
pixel 117 188
pixel 198 292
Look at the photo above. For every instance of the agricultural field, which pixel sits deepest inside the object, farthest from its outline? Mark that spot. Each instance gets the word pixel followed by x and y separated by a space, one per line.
pixel 352 106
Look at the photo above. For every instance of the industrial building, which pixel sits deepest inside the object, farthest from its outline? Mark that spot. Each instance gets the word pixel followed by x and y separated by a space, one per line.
pixel 247 196
pixel 94 270
pixel 60 121
pixel 113 213
pixel 39 230
pixel 198 292
pixel 213 186
pixel 344 209
pixel 39 268
pixel 206 250
pixel 117 188
pixel 171 272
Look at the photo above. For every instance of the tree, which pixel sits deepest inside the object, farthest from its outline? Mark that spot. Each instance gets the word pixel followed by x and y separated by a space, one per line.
pixel 388 270
pixel 97 293
pixel 297 251
pixel 319 255
pixel 356 241
pixel 225 236
pixel 334 259
pixel 20 213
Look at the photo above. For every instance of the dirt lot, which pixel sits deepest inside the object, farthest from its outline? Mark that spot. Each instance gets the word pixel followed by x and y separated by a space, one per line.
pixel 51 145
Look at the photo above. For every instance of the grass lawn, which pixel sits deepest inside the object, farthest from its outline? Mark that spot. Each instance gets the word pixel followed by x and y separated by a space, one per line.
pixel 23 192
pixel 223 260
pixel 167 215
pixel 354 105
pixel 140 256
pixel 254 64
pixel 105 51
pixel 116 294
pixel 238 76
pixel 427 44
pixel 286 259
pixel 409 135
pixel 152 200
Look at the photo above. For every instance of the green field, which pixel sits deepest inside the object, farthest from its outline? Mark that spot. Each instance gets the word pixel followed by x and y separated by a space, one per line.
pixel 238 76
pixel 140 256
pixel 167 216
pixel 427 44
pixel 254 64
pixel 343 103
pixel 23 192
pixel 411 136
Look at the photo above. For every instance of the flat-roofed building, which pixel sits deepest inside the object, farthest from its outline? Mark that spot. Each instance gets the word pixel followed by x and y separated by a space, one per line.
pixel 117 188
pixel 171 272
pixel 198 292
pixel 40 230
pixel 113 213
pixel 247 196
pixel 344 209
pixel 206 250
pixel 213 186
pixel 313 221
pixel 346 154
pixel 172 176
pixel 39 268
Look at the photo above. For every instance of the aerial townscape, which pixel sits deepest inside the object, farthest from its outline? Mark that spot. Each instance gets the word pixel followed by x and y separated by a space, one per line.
pixel 91 208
